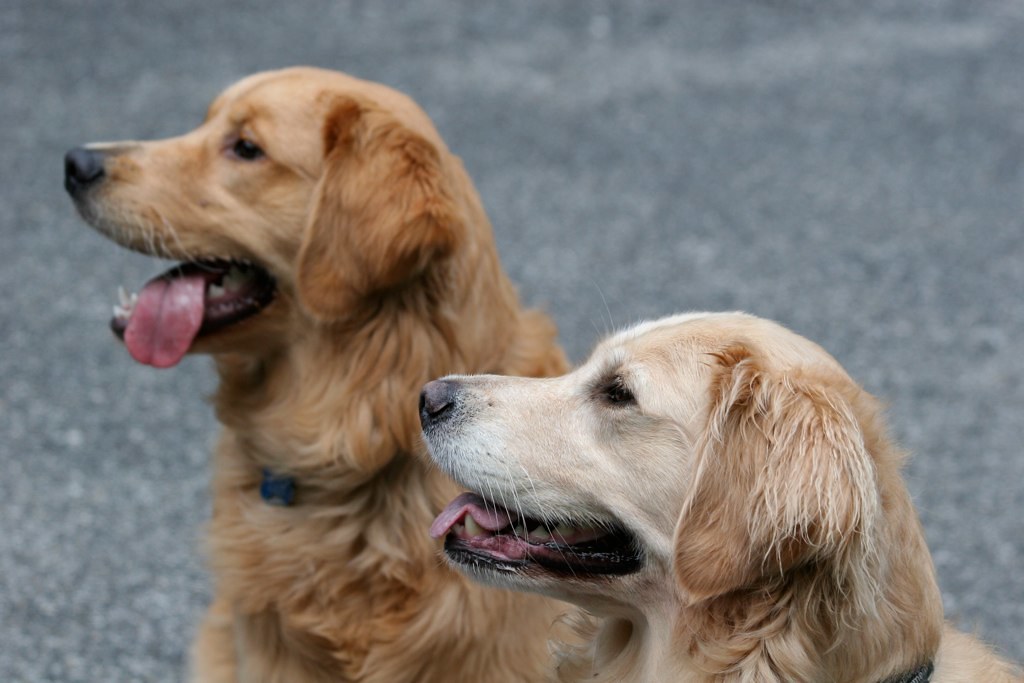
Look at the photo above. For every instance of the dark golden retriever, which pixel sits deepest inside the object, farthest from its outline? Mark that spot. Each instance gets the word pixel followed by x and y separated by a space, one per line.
pixel 335 257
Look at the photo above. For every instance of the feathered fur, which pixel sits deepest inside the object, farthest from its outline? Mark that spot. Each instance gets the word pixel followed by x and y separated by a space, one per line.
pixel 778 539
pixel 387 276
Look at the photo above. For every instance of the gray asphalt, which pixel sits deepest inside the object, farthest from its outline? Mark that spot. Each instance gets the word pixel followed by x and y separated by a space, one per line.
pixel 850 168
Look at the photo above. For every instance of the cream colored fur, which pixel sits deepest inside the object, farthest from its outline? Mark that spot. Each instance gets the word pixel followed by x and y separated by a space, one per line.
pixel 779 541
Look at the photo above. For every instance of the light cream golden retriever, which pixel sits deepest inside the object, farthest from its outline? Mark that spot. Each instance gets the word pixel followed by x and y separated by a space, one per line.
pixel 720 492
pixel 335 257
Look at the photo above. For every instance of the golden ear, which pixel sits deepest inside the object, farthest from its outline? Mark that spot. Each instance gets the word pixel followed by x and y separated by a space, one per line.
pixel 381 213
pixel 783 477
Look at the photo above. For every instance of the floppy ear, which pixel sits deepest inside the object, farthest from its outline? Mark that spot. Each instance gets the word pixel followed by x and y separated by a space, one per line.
pixel 381 213
pixel 783 478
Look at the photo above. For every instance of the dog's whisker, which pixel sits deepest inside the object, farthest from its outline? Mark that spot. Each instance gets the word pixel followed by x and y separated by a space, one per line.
pixel 150 234
pixel 491 502
pixel 610 324
pixel 171 230
pixel 163 243
pixel 181 245
pixel 532 485
pixel 504 504
pixel 515 498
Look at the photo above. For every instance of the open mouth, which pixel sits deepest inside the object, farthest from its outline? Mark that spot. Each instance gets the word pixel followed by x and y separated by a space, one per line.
pixel 481 534
pixel 160 323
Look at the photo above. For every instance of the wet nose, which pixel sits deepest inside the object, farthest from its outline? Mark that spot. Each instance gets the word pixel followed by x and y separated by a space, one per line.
pixel 436 400
pixel 82 169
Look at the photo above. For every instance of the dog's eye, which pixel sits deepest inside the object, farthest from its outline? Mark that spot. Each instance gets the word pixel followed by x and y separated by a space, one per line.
pixel 246 149
pixel 617 393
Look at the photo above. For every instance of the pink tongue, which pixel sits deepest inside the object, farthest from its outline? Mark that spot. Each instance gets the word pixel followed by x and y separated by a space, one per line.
pixel 165 320
pixel 470 504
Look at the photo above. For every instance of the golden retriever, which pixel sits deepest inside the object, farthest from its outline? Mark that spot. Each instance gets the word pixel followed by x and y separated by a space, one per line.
pixel 720 491
pixel 335 257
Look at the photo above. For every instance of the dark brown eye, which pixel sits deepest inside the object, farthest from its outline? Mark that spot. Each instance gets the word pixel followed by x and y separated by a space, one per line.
pixel 617 393
pixel 246 150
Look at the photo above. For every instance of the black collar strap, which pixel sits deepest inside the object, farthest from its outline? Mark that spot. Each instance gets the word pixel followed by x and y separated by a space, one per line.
pixel 922 674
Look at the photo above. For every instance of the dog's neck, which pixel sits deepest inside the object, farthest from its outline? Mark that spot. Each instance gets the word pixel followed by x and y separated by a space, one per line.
pixel 335 408
pixel 335 405
pixel 633 646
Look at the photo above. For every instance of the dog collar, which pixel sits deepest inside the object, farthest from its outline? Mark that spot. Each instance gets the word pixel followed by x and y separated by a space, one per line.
pixel 922 674
pixel 276 489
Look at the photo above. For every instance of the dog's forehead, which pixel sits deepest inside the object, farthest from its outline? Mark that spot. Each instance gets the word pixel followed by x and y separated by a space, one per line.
pixel 665 337
pixel 690 337
pixel 294 96
pixel 268 95
pixel 665 351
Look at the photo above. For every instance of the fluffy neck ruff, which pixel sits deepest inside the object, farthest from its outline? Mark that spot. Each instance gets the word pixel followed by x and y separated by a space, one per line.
pixel 346 581
pixel 335 409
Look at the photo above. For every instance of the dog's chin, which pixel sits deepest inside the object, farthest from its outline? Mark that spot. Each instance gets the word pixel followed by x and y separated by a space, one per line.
pixel 524 580
pixel 258 335
pixel 606 595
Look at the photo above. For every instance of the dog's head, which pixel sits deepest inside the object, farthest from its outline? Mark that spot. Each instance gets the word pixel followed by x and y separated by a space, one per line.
pixel 687 459
pixel 304 193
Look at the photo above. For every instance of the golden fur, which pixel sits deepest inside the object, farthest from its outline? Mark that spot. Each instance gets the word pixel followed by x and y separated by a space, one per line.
pixel 779 541
pixel 387 275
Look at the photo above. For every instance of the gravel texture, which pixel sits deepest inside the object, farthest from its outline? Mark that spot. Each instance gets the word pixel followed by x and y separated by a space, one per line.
pixel 850 168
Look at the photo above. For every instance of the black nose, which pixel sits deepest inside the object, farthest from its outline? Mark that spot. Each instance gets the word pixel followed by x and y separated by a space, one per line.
pixel 436 399
pixel 82 168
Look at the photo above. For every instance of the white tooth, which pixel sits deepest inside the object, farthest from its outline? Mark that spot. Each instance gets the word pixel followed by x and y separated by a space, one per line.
pixel 236 277
pixel 215 291
pixel 472 528
pixel 122 296
pixel 540 534
pixel 120 312
pixel 563 530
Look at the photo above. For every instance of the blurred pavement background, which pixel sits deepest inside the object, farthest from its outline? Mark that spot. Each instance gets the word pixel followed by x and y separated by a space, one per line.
pixel 851 168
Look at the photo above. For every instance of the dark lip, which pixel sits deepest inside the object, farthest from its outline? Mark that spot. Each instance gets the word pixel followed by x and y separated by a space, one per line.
pixel 616 554
pixel 260 293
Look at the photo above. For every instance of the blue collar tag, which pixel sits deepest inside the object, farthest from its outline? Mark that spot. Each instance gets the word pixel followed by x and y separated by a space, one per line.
pixel 277 490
